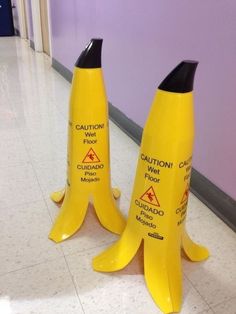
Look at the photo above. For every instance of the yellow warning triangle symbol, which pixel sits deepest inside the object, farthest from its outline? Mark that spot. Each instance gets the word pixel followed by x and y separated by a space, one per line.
pixel 185 196
pixel 150 197
pixel 90 157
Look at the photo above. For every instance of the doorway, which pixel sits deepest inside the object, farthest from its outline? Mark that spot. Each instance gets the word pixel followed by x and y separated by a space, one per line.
pixel 6 19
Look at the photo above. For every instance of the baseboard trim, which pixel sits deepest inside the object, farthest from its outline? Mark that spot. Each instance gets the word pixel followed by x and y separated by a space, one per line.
pixel 131 128
pixel 32 44
pixel 217 200
pixel 66 73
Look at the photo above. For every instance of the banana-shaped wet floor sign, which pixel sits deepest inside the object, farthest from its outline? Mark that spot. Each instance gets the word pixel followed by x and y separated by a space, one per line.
pixel 88 169
pixel 160 195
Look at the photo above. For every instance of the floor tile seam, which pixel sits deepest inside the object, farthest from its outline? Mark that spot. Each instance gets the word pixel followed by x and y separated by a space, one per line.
pixel 14 117
pixel 65 116
pixel 211 225
pixel 16 124
pixel 29 162
pixel 19 127
pixel 202 312
pixel 86 251
pixel 130 180
pixel 127 198
pixel 74 284
pixel 32 160
pixel 22 129
pixel 24 143
pixel 43 107
pixel 22 204
pixel 194 218
pixel 37 179
pixel 52 221
pixel 16 164
pixel 42 192
pixel 45 202
pixel 220 303
pixel 37 159
pixel 43 119
pixel 211 306
pixel 42 161
pixel 62 115
pixel 32 265
pixel 196 290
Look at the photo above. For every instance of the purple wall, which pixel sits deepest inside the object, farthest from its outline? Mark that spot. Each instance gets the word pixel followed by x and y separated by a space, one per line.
pixel 142 43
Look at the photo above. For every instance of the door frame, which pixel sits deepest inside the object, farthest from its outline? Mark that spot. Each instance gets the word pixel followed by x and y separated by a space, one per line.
pixel 49 28
pixel 22 19
pixel 36 17
pixel 27 8
pixel 38 43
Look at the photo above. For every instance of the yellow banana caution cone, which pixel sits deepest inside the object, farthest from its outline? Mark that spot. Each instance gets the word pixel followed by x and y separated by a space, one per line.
pixel 159 201
pixel 88 170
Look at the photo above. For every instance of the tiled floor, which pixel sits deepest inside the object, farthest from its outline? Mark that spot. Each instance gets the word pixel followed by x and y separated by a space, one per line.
pixel 38 276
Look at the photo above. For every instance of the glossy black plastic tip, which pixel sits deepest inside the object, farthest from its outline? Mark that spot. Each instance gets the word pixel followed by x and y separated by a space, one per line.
pixel 181 79
pixel 90 58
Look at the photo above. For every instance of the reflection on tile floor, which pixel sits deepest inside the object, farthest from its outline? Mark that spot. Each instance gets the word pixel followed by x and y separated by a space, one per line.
pixel 40 277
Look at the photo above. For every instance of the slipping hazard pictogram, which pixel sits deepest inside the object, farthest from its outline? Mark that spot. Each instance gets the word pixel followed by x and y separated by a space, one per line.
pixel 150 197
pixel 91 157
pixel 185 196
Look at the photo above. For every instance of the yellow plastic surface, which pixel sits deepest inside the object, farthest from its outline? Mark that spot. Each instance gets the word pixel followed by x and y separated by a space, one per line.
pixel 88 170
pixel 159 202
pixel 58 196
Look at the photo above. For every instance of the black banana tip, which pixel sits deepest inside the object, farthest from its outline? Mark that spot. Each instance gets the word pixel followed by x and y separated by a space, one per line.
pixel 181 79
pixel 90 57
